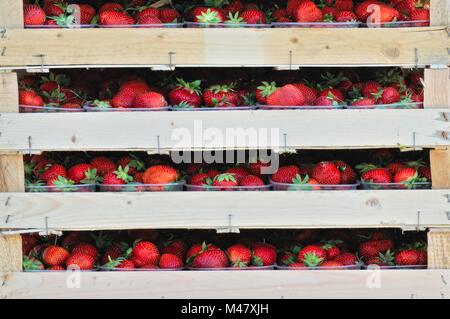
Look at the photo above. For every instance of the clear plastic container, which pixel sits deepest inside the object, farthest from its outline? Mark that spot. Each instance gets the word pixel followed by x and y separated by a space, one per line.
pixel 90 108
pixel 200 109
pixel 146 26
pixel 249 268
pixel 103 268
pixel 301 107
pixel 348 267
pixel 46 109
pixel 136 187
pixel 82 188
pixel 418 185
pixel 75 26
pixel 206 188
pixel 316 24
pixel 395 106
pixel 394 267
pixel 225 25
pixel 312 187
pixel 399 24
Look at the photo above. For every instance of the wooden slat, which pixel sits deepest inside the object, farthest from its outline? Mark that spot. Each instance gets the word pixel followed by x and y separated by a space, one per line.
pixel 9 93
pixel 439 249
pixel 440 168
pixel 387 284
pixel 440 13
pixel 11 14
pixel 227 47
pixel 407 209
pixel 437 88
pixel 302 129
pixel 10 253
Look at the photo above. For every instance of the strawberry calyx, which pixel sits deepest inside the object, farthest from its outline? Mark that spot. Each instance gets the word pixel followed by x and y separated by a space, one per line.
pixel 192 87
pixel 122 173
pixel 31 263
pixel 267 88
pixel 365 167
pixel 312 260
pixel 235 18
pixel 101 104
pixel 209 16
pixel 64 184
pixel 227 177
pixel 91 177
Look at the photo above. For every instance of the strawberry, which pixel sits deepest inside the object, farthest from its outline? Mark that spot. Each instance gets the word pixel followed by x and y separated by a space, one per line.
pixel 160 174
pixel 251 180
pixel 287 95
pixel 31 263
pixel 123 99
pixel 186 94
pixel 363 102
pixel 346 16
pixel 382 259
pixel 149 19
pixel 331 264
pixel 407 257
pixel 138 177
pixel 373 248
pixel 134 164
pixel 408 176
pixel 33 15
pixel 221 95
pixel 169 15
pixel 103 165
pixel 307 11
pixel 55 9
pixel 292 6
pixel 176 247
pixel 328 13
pixel 253 16
pixel 169 261
pixel 30 97
pixel 256 167
pixel 87 13
pixel 347 259
pixel 263 254
pixel 212 173
pixel 83 173
pixel 124 264
pixel 371 173
pixel 371 88
pixel 113 18
pixel 71 106
pixel 420 15
pixel 298 180
pixel 234 6
pixel 327 173
pixel 145 252
pixel 331 249
pixel 56 268
pixel 362 10
pixel 312 255
pixel 225 180
pixel 348 175
pixel 197 249
pixel 309 93
pixel 389 95
pixel 239 255
pixel 335 94
pixel 80 261
pixel 285 174
pixel 287 258
pixel 239 172
pixel 344 5
pixel 86 249
pixel 111 6
pixel 394 168
pixel 71 239
pixel 147 11
pixel 149 100
pixel 113 252
pixel 208 15
pixel 387 14
pixel 264 90
pixel 200 179
pixel 118 177
pixel 53 171
pixel 280 13
pixel 325 101
pixel 210 258
pixel 55 255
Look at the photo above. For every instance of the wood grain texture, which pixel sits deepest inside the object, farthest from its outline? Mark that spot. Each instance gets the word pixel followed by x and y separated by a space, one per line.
pixel 437 88
pixel 9 93
pixel 439 249
pixel 440 13
pixel 10 253
pixel 189 130
pixel 252 210
pixel 11 14
pixel 440 168
pixel 227 47
pixel 12 176
pixel 387 284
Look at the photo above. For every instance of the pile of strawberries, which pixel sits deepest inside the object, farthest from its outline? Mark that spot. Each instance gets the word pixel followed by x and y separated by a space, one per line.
pixel 122 89
pixel 177 250
pixel 60 13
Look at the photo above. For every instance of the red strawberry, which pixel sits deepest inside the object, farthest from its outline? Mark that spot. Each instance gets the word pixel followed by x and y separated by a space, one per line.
pixel 326 173
pixel 111 253
pixel 331 264
pixel 348 175
pixel 126 264
pixel 287 95
pixel 221 95
pixel 134 164
pixel 285 174
pixel 200 179
pixel 136 86
pixel 147 11
pixel 420 15
pixel 239 255
pixel 234 6
pixel 56 268
pixel 362 10
pixel 211 258
pixel 145 252
pixel 53 171
pixel 30 97
pixel 103 165
pixel 257 167
pixel 115 18
pixel 225 180
pixel 344 5
pixel 55 8
pixel 373 248
pixel 197 249
pixel 347 259
pixel 298 180
pixel 280 13
pixel 149 19
pixel 186 94
pixel 335 94
pixel 346 16
pixel 253 16
pixel 331 249
pixel 169 15
pixel 118 177
pixel 111 6
pixel 312 255
pixel 123 99
pixel 149 100
pixel 389 95
pixel 83 173
pixel 264 90
pixel 160 174
pixel 169 261
pixel 33 15
pixel 87 13
pixel 251 180
pixel 407 175
pixel 212 173
pixel 377 175
pixel 407 258
pixel 394 168
pixel 310 94
pixel 329 13
pixel 263 254
pixel 176 247
pixel 307 11
pixel 208 15
pixel 363 102
pixel 371 88
pixel 86 249
pixel 387 14
pixel 292 6
pixel 287 258
pixel 81 261
pixel 239 172
pixel 55 255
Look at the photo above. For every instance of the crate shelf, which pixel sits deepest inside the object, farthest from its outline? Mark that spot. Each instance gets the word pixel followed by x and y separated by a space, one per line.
pixel 154 131
pixel 407 209
pixel 415 284
pixel 24 48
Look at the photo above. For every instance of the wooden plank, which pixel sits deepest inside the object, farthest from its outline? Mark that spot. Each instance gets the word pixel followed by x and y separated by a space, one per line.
pixel 440 168
pixel 439 249
pixel 437 88
pixel 231 130
pixel 9 93
pixel 11 14
pixel 10 253
pixel 415 284
pixel 407 209
pixel 440 13
pixel 227 47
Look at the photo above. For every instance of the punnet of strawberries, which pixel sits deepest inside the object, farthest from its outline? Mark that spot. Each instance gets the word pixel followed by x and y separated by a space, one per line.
pixel 232 13
pixel 150 250
pixel 223 89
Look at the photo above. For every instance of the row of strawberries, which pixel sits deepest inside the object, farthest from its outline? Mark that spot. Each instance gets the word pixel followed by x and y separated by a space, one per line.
pixel 233 12
pixel 152 249
pixel 133 91
pixel 131 169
